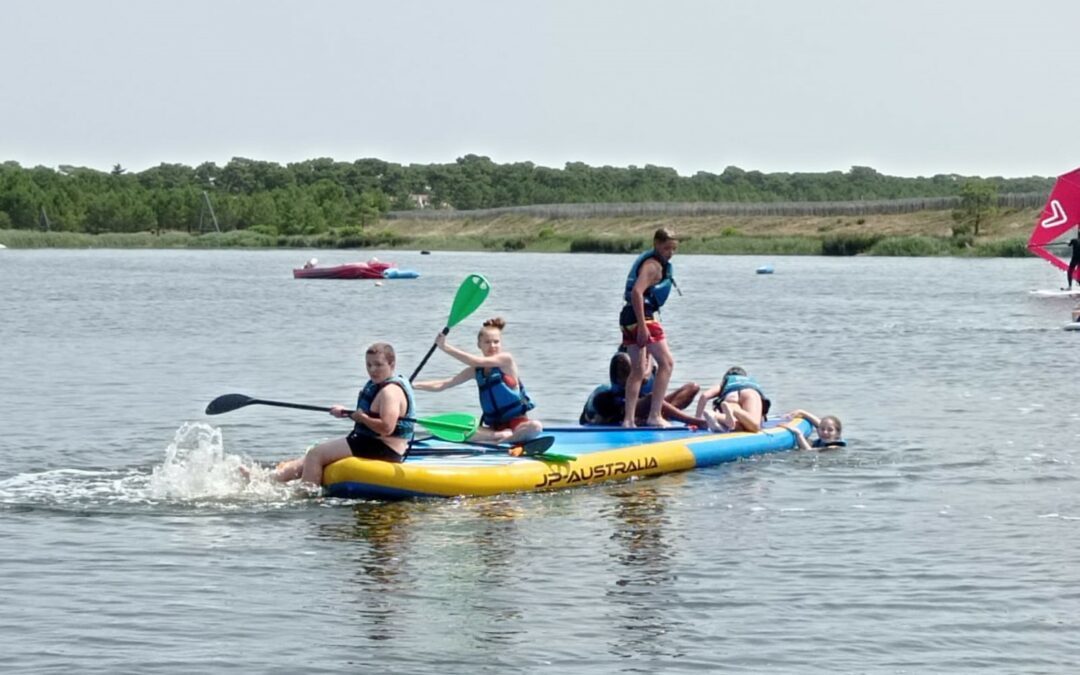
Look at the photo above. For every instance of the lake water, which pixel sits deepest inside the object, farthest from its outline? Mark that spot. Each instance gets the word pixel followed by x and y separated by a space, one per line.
pixel 945 538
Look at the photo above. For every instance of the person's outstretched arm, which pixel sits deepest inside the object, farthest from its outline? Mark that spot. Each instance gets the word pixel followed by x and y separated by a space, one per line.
pixel 501 360
pixel 800 439
pixel 439 385
pixel 703 400
pixel 808 416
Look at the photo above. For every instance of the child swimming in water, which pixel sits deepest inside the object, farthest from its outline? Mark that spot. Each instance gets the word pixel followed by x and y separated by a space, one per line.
pixel 828 429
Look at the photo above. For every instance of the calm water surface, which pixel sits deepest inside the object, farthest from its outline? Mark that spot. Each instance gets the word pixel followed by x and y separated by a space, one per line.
pixel 944 539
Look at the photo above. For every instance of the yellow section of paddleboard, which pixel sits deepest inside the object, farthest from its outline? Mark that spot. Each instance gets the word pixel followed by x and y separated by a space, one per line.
pixel 449 477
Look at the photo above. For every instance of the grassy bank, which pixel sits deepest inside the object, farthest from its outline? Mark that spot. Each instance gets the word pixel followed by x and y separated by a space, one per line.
pixel 924 233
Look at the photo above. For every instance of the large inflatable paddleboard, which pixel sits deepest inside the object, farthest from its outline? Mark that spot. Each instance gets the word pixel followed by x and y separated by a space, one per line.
pixel 579 456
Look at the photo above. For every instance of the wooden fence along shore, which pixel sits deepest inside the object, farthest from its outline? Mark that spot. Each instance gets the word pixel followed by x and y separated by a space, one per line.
pixel 673 209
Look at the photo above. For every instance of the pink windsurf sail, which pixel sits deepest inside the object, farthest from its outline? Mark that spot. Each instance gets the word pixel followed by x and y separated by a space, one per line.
pixel 1050 237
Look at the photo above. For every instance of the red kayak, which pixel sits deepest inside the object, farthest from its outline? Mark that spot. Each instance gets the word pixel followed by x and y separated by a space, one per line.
pixel 373 269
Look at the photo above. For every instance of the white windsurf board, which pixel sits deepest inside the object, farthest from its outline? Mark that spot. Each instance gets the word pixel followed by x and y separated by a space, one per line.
pixel 1056 293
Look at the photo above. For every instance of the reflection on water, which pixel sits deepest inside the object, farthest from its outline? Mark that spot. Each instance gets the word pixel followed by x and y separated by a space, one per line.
pixel 379 534
pixel 643 581
pixel 502 568
pixel 494 538
pixel 465 552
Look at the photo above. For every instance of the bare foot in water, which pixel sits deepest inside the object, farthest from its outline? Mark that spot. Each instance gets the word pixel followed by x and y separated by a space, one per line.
pixel 288 470
pixel 629 424
pixel 657 422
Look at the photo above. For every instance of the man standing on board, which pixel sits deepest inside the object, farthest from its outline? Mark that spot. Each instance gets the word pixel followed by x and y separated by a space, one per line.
pixel 1074 261
pixel 647 288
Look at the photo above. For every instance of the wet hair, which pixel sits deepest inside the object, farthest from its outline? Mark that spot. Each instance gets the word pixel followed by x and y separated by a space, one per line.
pixel 663 234
pixel 835 420
pixel 734 370
pixel 496 322
pixel 385 349
pixel 619 369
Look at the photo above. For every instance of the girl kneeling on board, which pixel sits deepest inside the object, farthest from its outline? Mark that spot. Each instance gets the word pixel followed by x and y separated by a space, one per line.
pixel 503 399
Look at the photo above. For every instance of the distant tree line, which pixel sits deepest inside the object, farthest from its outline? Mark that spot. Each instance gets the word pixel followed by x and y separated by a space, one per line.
pixel 322 195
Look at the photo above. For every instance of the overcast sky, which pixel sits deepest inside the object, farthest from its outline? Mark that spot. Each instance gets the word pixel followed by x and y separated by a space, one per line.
pixel 908 87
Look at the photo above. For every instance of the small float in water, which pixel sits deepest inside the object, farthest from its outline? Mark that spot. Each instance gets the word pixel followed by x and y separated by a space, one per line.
pixel 764 269
pixel 372 269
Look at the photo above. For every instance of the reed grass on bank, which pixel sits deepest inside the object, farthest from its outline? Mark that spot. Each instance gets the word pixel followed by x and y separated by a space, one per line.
pixel 543 240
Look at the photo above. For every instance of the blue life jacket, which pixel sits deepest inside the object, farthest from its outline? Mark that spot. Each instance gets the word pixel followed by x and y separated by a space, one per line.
pixel 656 295
pixel 735 383
pixel 499 401
pixel 403 428
pixel 615 394
pixel 616 402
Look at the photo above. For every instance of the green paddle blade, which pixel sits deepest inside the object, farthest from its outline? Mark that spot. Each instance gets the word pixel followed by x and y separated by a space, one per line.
pixel 471 294
pixel 454 427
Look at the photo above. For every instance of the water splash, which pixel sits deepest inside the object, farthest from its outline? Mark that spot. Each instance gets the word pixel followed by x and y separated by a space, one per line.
pixel 196 472
pixel 197 467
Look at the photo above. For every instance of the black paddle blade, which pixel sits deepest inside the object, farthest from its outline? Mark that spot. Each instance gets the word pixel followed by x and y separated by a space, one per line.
pixel 227 403
pixel 537 446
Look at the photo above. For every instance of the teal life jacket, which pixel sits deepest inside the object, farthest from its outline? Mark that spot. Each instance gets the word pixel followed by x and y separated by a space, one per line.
pixel 734 383
pixel 656 295
pixel 404 428
pixel 647 385
pixel 838 443
pixel 499 401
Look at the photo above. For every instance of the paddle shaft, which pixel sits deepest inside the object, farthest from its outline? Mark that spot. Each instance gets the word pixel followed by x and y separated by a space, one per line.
pixel 282 404
pixel 532 446
pixel 319 408
pixel 484 450
pixel 445 331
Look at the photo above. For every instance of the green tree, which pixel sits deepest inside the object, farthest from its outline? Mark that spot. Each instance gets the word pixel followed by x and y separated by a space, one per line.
pixel 978 203
pixel 371 203
pixel 260 211
pixel 119 212
pixel 20 198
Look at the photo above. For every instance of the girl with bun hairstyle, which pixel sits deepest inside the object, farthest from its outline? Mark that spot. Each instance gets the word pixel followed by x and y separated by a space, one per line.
pixel 503 399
